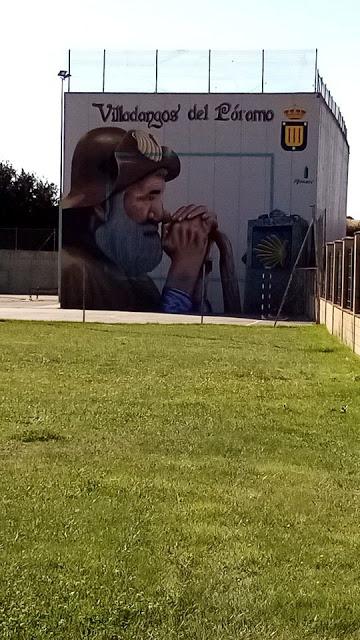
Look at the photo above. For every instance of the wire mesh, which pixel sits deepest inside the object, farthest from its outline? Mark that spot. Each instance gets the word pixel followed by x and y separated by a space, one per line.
pixel 188 71
pixel 338 276
pixel 349 276
pixel 287 71
pixel 183 71
pixel 86 68
pixel 18 238
pixel 236 71
pixel 130 71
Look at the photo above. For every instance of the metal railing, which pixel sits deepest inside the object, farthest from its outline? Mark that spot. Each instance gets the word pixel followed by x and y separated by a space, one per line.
pixel 321 87
pixel 342 273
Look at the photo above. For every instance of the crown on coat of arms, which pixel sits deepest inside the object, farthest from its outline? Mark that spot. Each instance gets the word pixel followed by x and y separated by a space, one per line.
pixel 294 113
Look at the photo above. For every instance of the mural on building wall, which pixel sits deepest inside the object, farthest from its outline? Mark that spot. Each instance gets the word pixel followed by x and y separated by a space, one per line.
pixel 116 230
pixel 172 208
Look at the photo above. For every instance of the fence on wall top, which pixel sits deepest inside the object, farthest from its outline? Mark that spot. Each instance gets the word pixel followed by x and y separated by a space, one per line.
pixel 183 71
pixel 193 71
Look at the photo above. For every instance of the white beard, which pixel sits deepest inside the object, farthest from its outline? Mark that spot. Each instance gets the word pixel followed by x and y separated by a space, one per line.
pixel 134 247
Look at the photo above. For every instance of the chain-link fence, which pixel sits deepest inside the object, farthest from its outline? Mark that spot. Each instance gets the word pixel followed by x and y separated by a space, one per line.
pixel 192 71
pixel 18 238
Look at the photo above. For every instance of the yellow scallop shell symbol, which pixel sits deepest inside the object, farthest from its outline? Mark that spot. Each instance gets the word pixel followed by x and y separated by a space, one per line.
pixel 272 251
pixel 147 145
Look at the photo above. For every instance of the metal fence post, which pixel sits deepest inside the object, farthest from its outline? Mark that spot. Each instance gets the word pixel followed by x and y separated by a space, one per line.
pixel 83 291
pixel 202 293
pixel 356 284
pixel 103 74
pixel 209 73
pixel 156 69
pixel 69 69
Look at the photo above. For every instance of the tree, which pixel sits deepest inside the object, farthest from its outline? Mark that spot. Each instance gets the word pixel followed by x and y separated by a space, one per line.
pixel 25 200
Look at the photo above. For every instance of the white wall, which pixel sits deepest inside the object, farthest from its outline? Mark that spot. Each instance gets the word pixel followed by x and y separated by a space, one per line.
pixel 341 323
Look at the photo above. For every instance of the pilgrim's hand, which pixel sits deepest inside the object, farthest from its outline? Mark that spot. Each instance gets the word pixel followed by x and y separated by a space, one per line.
pixel 191 211
pixel 186 243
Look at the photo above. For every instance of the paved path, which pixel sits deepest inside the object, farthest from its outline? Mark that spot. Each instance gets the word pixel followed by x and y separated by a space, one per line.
pixel 47 308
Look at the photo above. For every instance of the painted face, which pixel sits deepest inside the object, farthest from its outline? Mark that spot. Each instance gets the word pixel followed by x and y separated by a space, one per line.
pixel 143 201
pixel 133 244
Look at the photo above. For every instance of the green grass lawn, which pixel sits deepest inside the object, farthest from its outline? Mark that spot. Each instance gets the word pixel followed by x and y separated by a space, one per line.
pixel 178 482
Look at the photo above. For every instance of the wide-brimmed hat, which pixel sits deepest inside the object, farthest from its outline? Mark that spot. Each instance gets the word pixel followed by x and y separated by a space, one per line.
pixel 109 159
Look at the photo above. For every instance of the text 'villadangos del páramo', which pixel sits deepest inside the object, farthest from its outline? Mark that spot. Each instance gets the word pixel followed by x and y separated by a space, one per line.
pixel 224 112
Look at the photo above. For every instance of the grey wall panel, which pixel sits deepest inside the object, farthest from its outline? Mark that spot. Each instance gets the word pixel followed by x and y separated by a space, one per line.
pixel 332 170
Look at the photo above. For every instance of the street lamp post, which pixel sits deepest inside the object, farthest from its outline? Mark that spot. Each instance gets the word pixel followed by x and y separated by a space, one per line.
pixel 63 75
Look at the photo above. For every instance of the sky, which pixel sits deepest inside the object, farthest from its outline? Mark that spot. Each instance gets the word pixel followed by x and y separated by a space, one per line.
pixel 36 35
